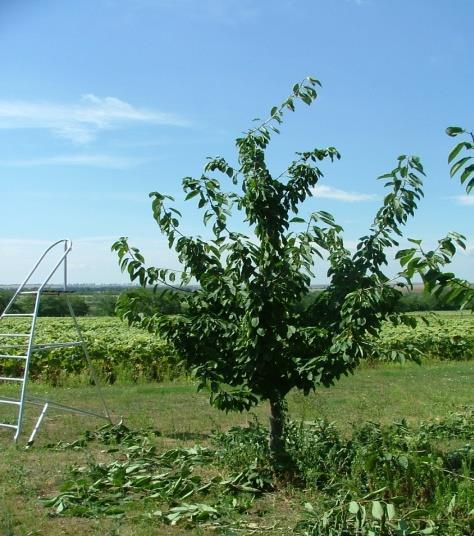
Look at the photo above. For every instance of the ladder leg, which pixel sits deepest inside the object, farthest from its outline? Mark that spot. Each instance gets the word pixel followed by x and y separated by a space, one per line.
pixel 37 425
pixel 27 366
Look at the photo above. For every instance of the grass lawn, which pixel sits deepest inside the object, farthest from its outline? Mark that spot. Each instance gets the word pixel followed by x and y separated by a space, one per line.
pixel 385 393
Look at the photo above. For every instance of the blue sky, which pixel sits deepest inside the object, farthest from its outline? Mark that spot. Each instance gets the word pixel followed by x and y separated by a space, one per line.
pixel 103 101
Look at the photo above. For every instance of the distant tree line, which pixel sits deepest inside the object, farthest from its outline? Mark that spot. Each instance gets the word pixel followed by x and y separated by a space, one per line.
pixel 422 301
pixel 169 302
pixel 50 305
pixel 97 302
pixel 150 302
pixel 409 302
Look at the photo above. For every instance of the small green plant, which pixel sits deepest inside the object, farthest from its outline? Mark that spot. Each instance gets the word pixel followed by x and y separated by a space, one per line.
pixel 318 452
pixel 239 447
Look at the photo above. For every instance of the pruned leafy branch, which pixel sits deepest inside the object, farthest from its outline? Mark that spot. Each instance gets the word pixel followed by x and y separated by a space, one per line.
pixel 382 480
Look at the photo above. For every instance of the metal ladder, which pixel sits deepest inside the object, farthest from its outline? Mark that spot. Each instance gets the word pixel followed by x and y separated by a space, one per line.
pixel 23 342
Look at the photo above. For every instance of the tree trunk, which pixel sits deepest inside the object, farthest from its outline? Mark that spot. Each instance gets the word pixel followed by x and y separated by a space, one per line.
pixel 277 426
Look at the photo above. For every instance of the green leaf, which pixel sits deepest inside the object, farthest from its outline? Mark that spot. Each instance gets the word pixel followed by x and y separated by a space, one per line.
pixel 457 149
pixel 467 173
pixel 354 507
pixel 452 504
pixel 454 131
pixel 192 194
pixel 391 513
pixel 459 164
pixel 313 81
pixel 377 510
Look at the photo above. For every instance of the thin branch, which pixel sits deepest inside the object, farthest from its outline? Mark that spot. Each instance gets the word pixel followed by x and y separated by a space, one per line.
pixel 180 289
pixel 448 471
pixel 171 220
pixel 162 280
pixel 272 117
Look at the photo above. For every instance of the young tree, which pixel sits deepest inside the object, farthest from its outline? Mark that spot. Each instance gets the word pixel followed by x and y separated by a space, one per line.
pixel 241 335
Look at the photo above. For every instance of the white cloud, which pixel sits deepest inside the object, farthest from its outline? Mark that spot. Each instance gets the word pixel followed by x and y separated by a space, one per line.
pixel 328 192
pixel 80 122
pixel 465 199
pixel 91 160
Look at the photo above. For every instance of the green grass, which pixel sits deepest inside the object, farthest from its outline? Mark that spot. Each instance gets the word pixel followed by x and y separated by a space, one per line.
pixel 386 393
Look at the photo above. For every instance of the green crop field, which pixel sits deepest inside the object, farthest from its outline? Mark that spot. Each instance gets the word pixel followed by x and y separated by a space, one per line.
pixel 394 442
pixel 123 353
pixel 118 352
pixel 449 335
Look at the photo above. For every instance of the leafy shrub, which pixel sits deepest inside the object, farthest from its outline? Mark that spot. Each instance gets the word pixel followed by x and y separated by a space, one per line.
pixel 102 303
pixel 318 453
pixel 240 447
pixel 57 306
pixel 5 297
pixel 395 458
pixel 246 451
pixel 457 425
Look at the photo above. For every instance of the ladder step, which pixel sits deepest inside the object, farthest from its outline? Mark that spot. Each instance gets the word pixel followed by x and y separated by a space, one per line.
pixel 24 345
pixel 13 402
pixel 7 379
pixel 5 425
pixel 15 334
pixel 29 292
pixel 19 314
pixel 6 356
